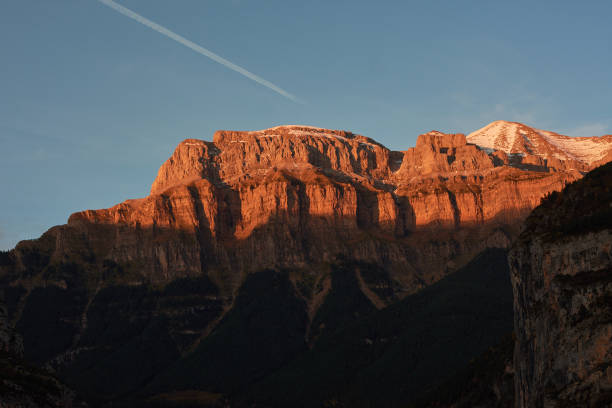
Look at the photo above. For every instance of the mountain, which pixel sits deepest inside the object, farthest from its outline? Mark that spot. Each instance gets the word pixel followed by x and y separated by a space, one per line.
pixel 224 205
pixel 561 270
pixel 256 247
pixel 530 146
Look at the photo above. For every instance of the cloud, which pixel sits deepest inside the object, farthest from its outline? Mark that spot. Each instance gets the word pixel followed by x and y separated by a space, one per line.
pixel 197 48
pixel 589 129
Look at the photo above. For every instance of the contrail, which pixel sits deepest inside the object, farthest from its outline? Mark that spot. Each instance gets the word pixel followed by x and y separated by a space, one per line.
pixel 200 50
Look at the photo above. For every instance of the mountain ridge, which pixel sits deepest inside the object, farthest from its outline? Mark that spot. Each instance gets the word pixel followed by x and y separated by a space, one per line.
pixel 220 206
pixel 225 199
pixel 319 216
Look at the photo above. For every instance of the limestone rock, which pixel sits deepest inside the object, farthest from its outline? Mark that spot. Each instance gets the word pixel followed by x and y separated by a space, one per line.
pixel 561 270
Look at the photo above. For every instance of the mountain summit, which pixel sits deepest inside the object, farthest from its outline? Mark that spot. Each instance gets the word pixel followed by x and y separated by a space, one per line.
pixel 581 153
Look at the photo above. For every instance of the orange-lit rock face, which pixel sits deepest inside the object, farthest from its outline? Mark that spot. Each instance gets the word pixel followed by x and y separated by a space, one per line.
pixel 439 153
pixel 236 154
pixel 294 197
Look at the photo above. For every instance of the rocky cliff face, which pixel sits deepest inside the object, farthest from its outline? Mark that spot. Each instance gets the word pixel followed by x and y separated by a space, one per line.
pixel 561 271
pixel 294 196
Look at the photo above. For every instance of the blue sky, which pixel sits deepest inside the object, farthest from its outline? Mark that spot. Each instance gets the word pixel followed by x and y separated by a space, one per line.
pixel 92 103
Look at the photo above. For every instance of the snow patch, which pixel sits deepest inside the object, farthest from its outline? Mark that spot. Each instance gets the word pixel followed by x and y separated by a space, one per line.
pixel 586 149
pixel 308 131
pixel 506 136
pixel 290 127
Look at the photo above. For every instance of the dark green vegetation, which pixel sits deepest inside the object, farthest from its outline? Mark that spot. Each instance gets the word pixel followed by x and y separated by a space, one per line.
pixel 115 343
pixel 140 344
pixel 263 331
pixel 581 207
pixel 488 381
pixel 22 383
pixel 5 258
pixel 49 320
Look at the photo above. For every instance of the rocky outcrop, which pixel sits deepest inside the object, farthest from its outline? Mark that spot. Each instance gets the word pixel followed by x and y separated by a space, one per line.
pixel 561 271
pixel 439 153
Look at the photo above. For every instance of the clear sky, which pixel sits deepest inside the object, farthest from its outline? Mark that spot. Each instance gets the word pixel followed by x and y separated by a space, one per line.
pixel 92 102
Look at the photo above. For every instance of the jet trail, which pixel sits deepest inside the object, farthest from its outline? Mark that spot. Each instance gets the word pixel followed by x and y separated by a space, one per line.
pixel 200 50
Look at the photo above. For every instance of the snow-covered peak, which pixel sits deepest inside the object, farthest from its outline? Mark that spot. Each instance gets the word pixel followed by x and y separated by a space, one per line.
pixel 288 127
pixel 500 135
pixel 517 138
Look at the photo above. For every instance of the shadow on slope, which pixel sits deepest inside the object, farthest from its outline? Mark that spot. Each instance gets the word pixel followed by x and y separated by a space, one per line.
pixel 395 356
pixel 112 331
pixel 488 381
pixel 263 330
